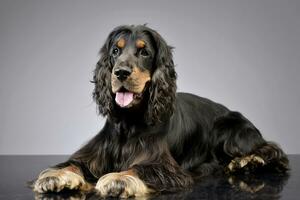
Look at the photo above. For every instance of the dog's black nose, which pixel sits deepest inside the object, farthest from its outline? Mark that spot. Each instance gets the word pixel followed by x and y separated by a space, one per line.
pixel 122 73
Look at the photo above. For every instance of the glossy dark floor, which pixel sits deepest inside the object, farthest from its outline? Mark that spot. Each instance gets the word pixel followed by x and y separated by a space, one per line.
pixel 15 171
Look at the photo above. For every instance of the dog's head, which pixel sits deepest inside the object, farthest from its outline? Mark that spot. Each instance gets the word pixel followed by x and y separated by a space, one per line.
pixel 135 68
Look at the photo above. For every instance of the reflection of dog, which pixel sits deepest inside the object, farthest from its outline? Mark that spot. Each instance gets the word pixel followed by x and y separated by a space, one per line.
pixel 155 139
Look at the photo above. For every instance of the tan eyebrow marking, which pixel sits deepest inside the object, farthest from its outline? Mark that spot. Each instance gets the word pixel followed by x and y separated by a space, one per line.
pixel 140 43
pixel 121 43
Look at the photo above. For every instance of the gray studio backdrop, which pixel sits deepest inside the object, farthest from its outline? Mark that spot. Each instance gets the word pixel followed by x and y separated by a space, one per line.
pixel 244 54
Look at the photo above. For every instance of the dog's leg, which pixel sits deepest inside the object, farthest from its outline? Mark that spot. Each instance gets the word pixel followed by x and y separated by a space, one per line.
pixel 143 178
pixel 269 156
pixel 164 175
pixel 55 180
pixel 266 157
pixel 274 157
pixel 240 146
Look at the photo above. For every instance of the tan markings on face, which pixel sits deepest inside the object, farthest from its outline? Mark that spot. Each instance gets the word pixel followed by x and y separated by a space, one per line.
pixel 138 79
pixel 55 180
pixel 140 44
pixel 121 43
pixel 124 184
pixel 135 82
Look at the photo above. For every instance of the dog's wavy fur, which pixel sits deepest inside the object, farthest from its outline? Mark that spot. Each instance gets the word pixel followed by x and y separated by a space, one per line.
pixel 172 138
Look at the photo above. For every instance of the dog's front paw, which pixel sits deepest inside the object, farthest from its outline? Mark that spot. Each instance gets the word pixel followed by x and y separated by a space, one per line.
pixel 55 180
pixel 250 161
pixel 123 185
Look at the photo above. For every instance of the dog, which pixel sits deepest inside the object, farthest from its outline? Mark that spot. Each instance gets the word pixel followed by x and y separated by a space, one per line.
pixel 154 139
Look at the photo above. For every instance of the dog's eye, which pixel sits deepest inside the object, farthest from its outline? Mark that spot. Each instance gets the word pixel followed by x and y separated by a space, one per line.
pixel 144 52
pixel 115 51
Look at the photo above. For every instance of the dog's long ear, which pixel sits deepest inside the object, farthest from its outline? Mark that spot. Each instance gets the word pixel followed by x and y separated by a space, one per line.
pixel 102 93
pixel 163 83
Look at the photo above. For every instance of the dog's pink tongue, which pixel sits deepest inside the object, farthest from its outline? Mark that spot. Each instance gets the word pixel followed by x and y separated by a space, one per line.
pixel 124 98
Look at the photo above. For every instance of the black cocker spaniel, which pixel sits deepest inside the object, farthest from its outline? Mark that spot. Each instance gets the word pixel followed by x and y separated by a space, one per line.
pixel 155 139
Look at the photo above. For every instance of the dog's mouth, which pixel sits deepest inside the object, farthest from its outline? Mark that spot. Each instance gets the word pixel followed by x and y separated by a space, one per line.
pixel 125 98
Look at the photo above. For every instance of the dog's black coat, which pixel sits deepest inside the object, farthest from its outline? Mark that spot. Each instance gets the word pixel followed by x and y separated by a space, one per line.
pixel 170 138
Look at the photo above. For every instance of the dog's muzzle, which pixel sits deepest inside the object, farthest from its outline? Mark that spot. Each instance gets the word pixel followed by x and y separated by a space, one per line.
pixel 122 73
